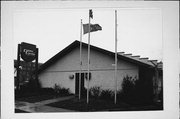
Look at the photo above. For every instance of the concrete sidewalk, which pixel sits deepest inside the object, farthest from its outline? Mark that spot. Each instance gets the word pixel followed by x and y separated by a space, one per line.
pixel 41 106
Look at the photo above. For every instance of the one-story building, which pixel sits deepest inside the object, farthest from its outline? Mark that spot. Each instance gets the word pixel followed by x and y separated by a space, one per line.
pixel 63 69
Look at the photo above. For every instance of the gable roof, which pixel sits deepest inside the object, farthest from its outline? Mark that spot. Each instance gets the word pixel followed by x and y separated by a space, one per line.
pixel 127 57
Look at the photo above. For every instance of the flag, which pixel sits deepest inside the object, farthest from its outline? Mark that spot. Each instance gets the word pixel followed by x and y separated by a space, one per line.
pixel 93 27
pixel 90 13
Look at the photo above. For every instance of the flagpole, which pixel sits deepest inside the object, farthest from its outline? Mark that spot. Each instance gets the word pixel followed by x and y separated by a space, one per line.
pixel 88 60
pixel 115 74
pixel 80 57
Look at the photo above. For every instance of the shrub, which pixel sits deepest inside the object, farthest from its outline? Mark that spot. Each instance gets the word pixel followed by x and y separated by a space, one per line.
pixel 28 89
pixel 61 90
pixel 144 90
pixel 64 91
pixel 106 94
pixel 47 91
pixel 84 92
pixel 136 91
pixel 33 85
pixel 119 95
pixel 95 91
pixel 128 88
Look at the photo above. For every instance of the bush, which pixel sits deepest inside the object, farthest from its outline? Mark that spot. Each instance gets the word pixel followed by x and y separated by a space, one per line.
pixel 119 95
pixel 136 91
pixel 95 91
pixel 29 89
pixel 33 85
pixel 49 91
pixel 106 94
pixel 144 90
pixel 61 90
pixel 84 92
pixel 128 88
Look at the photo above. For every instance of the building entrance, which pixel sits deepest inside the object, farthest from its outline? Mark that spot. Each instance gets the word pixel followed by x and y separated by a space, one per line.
pixel 77 78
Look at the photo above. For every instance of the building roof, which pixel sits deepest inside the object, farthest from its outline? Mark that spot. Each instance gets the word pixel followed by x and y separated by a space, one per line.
pixel 127 57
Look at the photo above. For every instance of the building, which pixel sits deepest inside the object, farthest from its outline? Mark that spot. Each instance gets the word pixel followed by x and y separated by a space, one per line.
pixel 63 69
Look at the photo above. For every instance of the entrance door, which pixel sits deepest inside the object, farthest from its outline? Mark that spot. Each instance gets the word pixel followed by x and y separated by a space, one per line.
pixel 77 83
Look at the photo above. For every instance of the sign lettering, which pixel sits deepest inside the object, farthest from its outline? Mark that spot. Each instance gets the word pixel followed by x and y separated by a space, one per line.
pixel 28 52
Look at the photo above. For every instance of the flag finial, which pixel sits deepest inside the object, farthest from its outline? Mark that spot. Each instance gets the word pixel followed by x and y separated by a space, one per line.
pixel 90 13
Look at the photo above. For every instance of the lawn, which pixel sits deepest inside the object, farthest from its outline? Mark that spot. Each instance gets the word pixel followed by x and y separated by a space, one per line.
pixel 99 105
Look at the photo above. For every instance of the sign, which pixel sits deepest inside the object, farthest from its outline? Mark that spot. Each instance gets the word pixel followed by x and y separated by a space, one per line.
pixel 28 52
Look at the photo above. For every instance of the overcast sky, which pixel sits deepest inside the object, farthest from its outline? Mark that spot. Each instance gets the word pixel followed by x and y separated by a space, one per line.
pixel 139 30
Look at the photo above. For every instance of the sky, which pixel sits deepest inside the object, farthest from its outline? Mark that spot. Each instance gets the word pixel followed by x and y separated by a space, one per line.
pixel 51 30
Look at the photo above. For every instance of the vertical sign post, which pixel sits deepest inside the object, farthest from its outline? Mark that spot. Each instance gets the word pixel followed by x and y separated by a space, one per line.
pixel 115 74
pixel 18 63
pixel 90 16
pixel 80 57
pixel 36 65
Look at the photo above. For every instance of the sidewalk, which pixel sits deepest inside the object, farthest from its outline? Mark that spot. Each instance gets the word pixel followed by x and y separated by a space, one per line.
pixel 41 106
